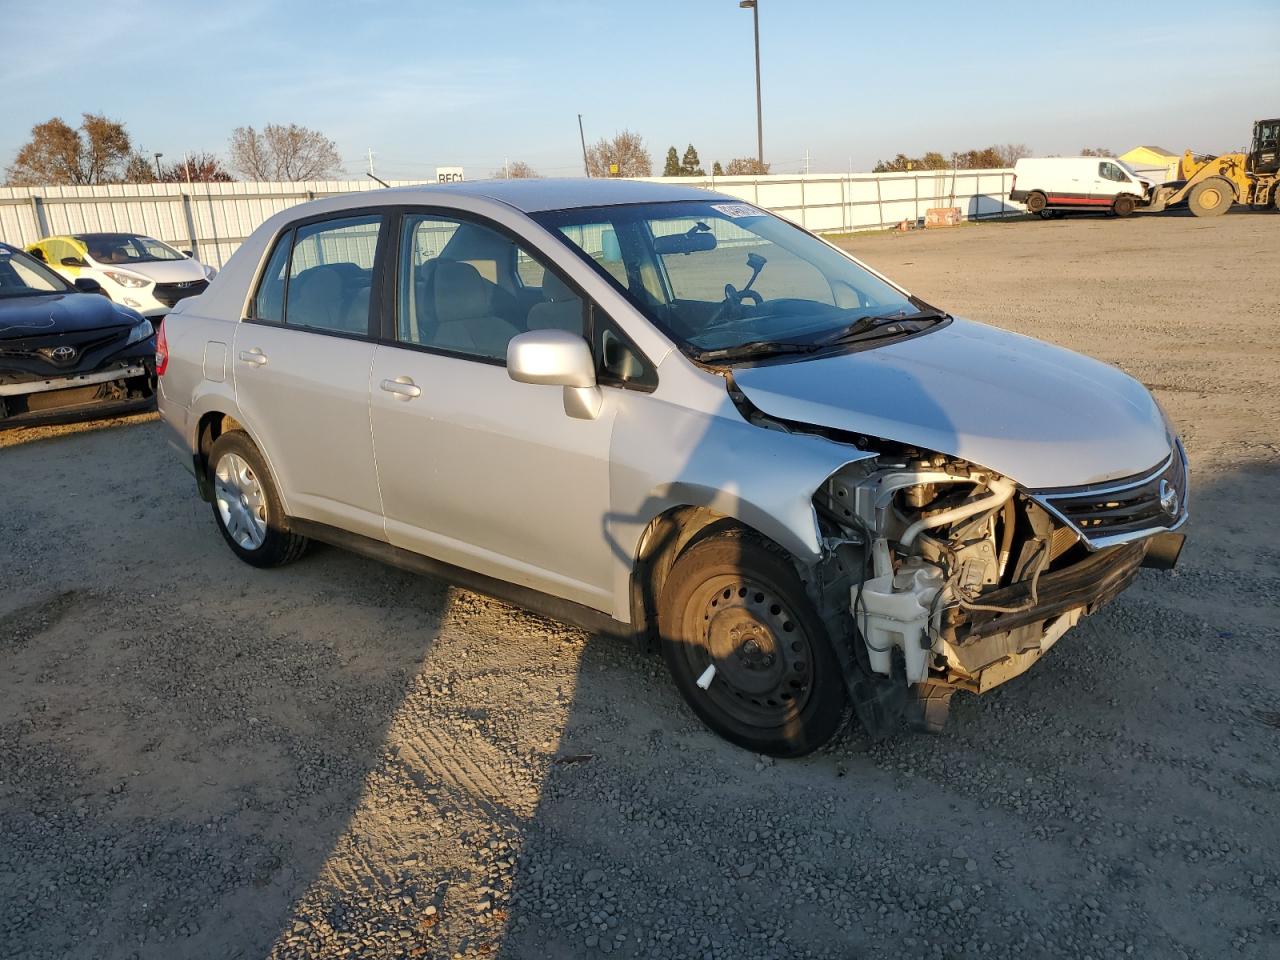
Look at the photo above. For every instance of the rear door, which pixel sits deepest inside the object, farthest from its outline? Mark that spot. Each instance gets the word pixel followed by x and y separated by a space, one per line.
pixel 302 361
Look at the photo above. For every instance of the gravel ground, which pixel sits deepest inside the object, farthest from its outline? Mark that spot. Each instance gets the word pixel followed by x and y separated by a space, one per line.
pixel 198 759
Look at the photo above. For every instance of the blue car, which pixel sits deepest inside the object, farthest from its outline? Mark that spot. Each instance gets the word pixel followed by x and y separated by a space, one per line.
pixel 66 351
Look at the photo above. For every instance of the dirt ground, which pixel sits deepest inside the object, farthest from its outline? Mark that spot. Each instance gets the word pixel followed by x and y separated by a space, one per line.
pixel 199 759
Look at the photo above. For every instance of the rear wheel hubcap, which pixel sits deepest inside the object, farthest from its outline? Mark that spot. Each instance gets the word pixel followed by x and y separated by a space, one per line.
pixel 241 504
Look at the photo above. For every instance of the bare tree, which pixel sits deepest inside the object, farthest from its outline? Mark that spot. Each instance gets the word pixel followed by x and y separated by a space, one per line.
pixel 1011 153
pixel 1095 152
pixel 516 170
pixel 282 152
pixel 58 154
pixel 623 156
pixel 746 167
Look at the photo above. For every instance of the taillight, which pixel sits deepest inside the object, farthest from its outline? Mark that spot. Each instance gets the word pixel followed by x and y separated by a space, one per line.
pixel 1014 185
pixel 162 351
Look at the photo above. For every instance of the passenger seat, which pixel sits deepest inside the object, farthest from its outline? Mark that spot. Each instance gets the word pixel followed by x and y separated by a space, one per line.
pixel 464 320
pixel 561 308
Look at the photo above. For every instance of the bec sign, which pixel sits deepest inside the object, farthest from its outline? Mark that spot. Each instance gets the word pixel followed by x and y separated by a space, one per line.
pixel 449 175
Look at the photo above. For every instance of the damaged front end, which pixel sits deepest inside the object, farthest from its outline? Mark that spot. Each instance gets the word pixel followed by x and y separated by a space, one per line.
pixel 956 578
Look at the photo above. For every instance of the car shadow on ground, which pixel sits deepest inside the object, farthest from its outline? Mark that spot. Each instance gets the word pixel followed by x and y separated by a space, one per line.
pixel 204 760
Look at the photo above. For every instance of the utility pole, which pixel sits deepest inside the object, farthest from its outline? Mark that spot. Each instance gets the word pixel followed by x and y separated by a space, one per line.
pixel 754 7
pixel 158 156
pixel 583 137
pixel 373 175
pixel 806 161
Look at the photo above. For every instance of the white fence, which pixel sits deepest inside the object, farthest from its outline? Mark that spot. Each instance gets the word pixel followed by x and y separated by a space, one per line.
pixel 213 219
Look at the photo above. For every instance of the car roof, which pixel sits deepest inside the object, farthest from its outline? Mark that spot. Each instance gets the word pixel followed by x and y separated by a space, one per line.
pixel 537 195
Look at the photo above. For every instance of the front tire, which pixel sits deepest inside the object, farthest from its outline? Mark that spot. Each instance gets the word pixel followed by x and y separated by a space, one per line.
pixel 1211 197
pixel 733 602
pixel 246 506
pixel 1124 205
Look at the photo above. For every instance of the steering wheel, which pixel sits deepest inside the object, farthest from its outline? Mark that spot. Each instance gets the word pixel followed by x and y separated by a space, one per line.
pixel 731 306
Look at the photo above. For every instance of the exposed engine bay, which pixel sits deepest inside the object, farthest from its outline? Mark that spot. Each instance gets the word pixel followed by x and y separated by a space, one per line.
pixel 958 579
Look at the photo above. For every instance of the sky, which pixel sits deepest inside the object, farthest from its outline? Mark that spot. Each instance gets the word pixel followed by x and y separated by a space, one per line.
pixel 426 84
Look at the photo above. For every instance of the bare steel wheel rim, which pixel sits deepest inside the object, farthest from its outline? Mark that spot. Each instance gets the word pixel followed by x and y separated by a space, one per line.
pixel 242 506
pixel 762 654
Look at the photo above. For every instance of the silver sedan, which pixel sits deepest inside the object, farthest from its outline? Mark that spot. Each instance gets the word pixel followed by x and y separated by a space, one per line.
pixel 667 414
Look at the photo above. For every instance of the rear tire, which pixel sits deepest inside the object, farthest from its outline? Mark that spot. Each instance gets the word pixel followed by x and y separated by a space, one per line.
pixel 1211 197
pixel 735 602
pixel 246 506
pixel 1036 202
pixel 1124 205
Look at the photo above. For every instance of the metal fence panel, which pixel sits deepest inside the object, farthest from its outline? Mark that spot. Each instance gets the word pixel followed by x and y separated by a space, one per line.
pixel 213 219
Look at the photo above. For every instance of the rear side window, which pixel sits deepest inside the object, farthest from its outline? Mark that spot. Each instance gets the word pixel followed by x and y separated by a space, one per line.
pixel 269 303
pixel 320 276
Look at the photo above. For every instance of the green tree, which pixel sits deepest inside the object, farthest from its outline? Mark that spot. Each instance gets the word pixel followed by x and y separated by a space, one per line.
pixel 690 166
pixel 57 154
pixel 672 167
pixel 717 170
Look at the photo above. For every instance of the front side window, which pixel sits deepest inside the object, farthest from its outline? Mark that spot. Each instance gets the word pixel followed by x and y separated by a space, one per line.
pixel 1109 171
pixel 727 281
pixel 467 288
pixel 330 275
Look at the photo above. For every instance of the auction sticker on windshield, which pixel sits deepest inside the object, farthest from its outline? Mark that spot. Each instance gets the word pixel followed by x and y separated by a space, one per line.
pixel 736 210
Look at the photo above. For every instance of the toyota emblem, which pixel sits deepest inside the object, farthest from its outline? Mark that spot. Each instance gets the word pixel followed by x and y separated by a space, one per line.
pixel 63 354
pixel 1169 498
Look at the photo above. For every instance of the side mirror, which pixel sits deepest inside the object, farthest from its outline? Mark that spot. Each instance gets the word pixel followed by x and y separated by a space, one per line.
pixel 72 262
pixel 557 358
pixel 188 254
pixel 88 285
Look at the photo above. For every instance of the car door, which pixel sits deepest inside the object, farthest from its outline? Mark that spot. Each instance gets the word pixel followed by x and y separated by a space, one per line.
pixel 302 360
pixel 476 469
pixel 1110 181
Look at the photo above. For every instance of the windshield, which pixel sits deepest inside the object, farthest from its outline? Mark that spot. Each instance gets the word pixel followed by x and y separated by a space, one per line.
pixel 126 248
pixel 24 276
pixel 725 279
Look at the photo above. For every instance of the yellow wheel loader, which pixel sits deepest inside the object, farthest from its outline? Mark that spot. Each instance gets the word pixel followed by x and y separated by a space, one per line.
pixel 1210 185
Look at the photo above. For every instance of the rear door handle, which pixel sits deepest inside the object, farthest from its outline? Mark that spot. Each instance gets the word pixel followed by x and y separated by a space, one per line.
pixel 254 356
pixel 402 387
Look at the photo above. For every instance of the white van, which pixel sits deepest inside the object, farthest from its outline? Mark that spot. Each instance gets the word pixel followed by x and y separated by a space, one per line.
pixel 1051 185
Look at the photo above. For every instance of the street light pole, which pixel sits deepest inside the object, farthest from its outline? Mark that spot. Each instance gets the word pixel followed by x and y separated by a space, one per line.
pixel 158 156
pixel 754 7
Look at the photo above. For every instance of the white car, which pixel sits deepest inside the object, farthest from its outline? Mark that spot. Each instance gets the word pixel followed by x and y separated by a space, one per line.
pixel 1051 185
pixel 133 270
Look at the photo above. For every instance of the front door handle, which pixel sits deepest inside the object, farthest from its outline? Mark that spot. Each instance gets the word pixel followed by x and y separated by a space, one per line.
pixel 254 356
pixel 402 387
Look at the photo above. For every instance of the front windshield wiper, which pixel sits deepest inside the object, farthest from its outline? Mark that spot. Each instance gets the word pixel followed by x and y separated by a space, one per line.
pixel 755 349
pixel 865 325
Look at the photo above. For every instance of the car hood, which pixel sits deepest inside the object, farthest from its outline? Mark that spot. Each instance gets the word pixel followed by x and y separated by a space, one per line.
pixel 55 313
pixel 161 271
pixel 1039 414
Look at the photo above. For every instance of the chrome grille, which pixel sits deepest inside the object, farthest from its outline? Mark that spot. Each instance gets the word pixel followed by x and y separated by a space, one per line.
pixel 1123 510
